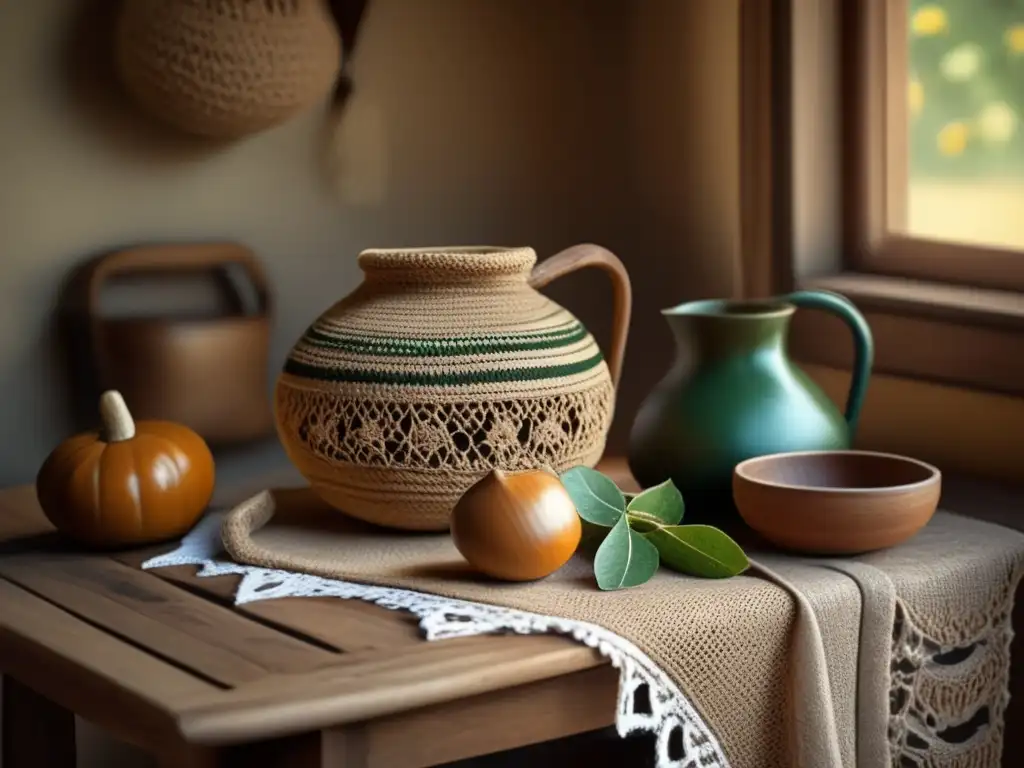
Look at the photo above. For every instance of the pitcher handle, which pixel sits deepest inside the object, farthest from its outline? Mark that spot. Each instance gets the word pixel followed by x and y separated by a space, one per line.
pixel 588 255
pixel 863 344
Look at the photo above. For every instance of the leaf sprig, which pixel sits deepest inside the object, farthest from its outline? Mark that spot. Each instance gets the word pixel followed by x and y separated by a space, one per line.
pixel 641 531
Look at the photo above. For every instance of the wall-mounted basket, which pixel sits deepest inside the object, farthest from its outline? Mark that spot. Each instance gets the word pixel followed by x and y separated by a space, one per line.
pixel 226 68
pixel 209 373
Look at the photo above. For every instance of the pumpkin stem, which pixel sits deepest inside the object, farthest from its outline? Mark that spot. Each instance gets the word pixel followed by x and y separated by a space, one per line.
pixel 118 423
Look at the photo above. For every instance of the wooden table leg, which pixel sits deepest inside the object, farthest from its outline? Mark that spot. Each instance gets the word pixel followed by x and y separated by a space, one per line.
pixel 36 732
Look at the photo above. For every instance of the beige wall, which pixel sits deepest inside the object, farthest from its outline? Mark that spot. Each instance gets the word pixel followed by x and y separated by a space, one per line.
pixel 978 433
pixel 540 122
pixel 680 211
pixel 498 122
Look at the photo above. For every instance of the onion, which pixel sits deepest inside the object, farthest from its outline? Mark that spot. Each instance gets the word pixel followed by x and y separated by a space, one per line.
pixel 516 527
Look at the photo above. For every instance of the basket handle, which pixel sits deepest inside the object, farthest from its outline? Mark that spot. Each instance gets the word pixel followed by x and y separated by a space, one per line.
pixel 179 258
pixel 176 258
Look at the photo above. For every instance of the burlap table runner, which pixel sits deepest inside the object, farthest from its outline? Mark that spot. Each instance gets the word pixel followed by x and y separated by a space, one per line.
pixel 817 663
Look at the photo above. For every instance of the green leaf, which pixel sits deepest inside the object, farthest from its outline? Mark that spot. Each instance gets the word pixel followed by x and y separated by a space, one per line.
pixel 624 559
pixel 699 550
pixel 663 502
pixel 598 500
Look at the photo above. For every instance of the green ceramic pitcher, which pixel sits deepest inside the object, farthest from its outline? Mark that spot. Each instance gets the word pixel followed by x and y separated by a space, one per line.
pixel 733 393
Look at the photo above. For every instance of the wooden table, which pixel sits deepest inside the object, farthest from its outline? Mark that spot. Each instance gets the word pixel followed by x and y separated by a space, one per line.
pixel 164 660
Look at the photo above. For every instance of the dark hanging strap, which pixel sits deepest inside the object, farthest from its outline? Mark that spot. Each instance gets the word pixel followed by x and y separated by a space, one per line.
pixel 348 15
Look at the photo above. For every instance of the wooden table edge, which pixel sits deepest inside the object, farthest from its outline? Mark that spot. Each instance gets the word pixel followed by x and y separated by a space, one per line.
pixel 238 715
pixel 88 686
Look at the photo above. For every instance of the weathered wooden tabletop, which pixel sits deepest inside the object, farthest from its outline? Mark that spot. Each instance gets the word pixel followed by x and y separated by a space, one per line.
pixel 164 660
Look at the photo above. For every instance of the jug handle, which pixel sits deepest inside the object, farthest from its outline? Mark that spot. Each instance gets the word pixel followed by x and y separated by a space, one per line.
pixel 588 255
pixel 863 344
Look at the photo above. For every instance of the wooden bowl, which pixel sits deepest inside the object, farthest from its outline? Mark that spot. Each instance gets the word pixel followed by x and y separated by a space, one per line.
pixel 836 502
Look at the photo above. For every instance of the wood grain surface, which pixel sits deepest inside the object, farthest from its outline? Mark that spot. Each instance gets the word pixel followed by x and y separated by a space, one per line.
pixel 164 659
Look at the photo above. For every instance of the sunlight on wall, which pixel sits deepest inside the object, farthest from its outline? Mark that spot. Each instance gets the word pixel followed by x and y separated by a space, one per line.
pixel 933 422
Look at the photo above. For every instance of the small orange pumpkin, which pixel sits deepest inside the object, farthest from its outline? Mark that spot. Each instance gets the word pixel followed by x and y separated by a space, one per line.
pixel 128 484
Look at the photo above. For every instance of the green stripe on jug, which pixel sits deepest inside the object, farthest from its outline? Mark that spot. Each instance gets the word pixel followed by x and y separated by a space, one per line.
pixel 428 379
pixel 464 345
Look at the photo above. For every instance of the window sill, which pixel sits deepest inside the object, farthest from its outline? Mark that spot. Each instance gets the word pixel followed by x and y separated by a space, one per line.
pixel 966 337
pixel 951 303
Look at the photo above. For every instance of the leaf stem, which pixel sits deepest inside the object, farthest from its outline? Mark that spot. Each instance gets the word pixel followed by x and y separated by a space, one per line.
pixel 644 522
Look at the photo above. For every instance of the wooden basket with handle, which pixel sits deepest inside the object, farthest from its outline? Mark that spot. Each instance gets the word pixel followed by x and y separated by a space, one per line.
pixel 209 373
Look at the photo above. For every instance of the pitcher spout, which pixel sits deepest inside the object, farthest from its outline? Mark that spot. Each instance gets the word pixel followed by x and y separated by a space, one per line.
pixel 717 327
pixel 731 309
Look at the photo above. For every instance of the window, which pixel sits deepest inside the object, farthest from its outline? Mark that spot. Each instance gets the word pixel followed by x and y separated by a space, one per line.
pixel 964 93
pixel 882 157
pixel 939 151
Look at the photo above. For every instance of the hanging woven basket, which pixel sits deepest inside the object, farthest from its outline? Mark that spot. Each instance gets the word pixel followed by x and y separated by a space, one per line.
pixel 226 68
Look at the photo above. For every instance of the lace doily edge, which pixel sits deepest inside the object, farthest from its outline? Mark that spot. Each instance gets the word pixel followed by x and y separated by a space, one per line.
pixel 669 711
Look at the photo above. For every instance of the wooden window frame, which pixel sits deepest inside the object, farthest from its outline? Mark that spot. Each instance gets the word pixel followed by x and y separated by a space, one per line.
pixel 874 68
pixel 817 192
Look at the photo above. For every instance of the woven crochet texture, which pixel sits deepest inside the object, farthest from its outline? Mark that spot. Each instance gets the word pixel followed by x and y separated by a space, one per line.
pixel 226 68
pixel 936 649
pixel 439 367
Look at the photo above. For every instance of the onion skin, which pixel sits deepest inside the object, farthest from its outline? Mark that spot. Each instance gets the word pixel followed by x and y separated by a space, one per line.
pixel 518 527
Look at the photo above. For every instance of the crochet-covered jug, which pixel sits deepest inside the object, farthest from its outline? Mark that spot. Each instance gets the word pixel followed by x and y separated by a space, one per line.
pixel 442 365
pixel 226 68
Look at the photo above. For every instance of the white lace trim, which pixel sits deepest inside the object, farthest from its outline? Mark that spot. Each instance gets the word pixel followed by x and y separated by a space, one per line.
pixel 649 701
pixel 920 713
